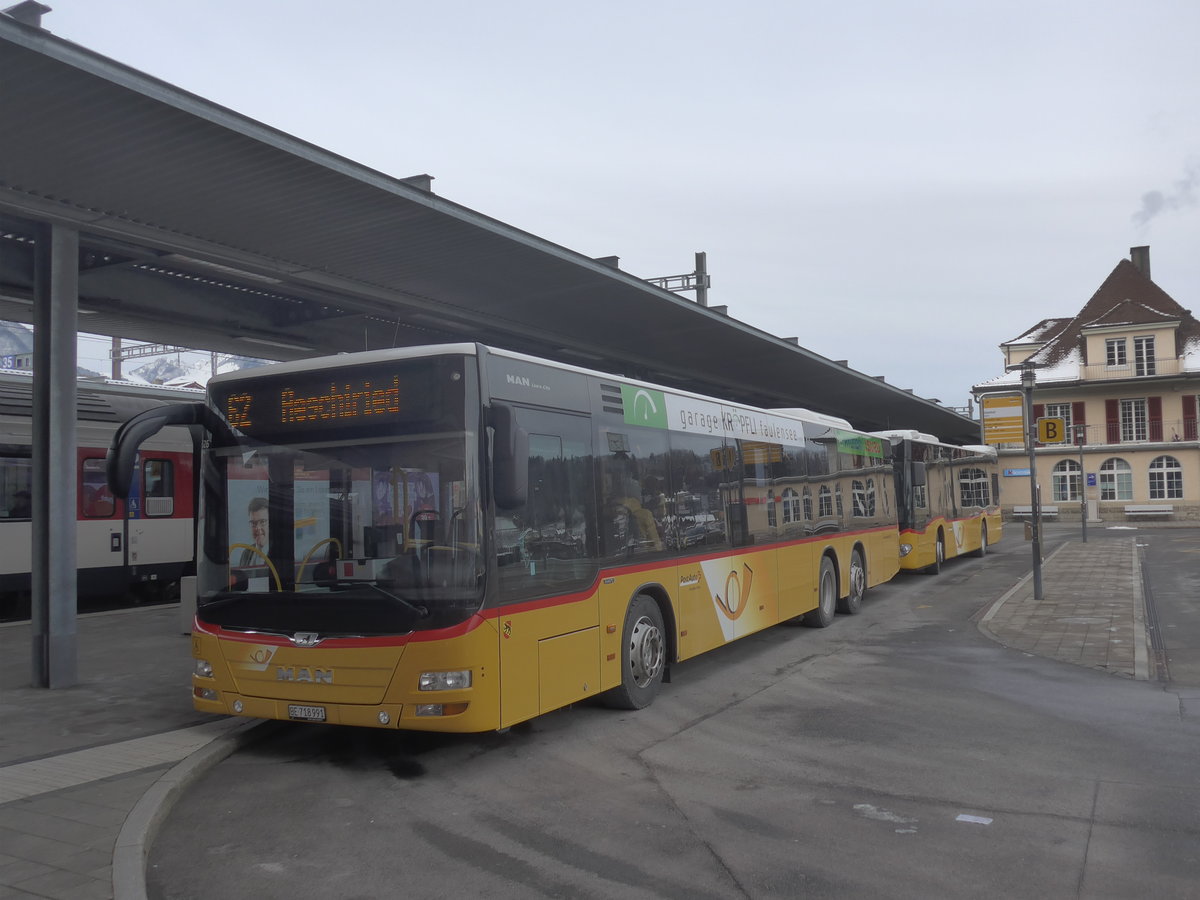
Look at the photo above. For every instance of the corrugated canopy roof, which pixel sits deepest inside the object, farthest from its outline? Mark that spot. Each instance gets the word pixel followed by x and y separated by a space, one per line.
pixel 203 228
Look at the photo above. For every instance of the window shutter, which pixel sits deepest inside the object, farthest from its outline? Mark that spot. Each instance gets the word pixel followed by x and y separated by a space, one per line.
pixel 1189 417
pixel 1154 417
pixel 1112 419
pixel 1039 410
pixel 1078 422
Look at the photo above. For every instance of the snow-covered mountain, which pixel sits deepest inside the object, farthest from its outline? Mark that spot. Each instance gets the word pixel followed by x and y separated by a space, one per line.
pixel 16 340
pixel 187 368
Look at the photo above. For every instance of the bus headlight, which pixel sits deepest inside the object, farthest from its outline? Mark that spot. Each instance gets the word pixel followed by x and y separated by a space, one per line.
pixel 905 549
pixel 445 681
pixel 203 668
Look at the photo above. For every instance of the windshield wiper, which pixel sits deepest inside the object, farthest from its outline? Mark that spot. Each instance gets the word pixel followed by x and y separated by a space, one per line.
pixel 421 611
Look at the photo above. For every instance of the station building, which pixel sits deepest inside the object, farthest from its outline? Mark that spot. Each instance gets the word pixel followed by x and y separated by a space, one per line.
pixel 1124 375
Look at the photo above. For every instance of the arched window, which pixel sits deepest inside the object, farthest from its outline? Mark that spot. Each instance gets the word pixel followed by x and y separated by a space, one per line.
pixel 825 503
pixel 1166 479
pixel 1064 478
pixel 791 506
pixel 1116 480
pixel 808 505
pixel 771 516
pixel 973 488
pixel 858 498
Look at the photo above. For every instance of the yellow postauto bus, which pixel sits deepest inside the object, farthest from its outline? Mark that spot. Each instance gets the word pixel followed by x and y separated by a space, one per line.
pixel 949 499
pixel 460 538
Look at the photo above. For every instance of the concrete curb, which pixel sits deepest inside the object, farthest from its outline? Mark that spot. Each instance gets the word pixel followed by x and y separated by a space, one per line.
pixel 1141 638
pixel 995 607
pixel 133 843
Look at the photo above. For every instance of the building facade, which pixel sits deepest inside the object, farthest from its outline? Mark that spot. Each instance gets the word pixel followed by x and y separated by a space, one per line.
pixel 1124 376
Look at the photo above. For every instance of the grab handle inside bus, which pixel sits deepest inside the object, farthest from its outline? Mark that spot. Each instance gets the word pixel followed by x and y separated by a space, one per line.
pixel 122 452
pixel 510 457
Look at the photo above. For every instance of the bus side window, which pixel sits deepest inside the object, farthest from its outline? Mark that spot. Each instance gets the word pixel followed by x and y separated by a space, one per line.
pixel 634 492
pixel 703 471
pixel 158 479
pixel 95 500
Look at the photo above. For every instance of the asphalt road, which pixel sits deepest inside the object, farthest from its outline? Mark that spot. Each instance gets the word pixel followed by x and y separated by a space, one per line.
pixel 899 753
pixel 1171 563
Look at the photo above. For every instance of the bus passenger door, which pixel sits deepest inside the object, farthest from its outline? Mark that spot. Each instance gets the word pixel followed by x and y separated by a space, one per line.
pixel 546 571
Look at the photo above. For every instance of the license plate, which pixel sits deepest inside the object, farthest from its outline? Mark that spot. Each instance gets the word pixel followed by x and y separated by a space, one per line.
pixel 307 713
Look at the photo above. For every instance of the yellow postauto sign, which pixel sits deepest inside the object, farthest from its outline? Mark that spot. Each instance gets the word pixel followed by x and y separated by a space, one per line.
pixel 1003 420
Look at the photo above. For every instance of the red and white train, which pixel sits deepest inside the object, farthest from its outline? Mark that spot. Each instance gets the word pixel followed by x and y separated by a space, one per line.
pixel 137 548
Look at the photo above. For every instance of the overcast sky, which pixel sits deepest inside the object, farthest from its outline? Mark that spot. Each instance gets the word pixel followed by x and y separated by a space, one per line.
pixel 903 185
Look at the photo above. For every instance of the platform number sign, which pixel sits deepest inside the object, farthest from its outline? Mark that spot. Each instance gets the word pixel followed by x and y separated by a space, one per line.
pixel 1051 430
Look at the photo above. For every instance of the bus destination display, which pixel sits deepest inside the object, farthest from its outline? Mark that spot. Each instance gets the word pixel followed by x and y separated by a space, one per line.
pixel 346 402
pixel 336 399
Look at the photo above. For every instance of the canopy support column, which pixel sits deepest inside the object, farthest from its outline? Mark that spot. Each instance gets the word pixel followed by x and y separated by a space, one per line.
pixel 55 316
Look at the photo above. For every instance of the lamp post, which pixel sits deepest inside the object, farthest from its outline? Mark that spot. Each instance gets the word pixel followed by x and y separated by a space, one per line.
pixel 1027 381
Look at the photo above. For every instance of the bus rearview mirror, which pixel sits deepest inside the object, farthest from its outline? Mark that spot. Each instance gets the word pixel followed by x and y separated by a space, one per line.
pixel 510 458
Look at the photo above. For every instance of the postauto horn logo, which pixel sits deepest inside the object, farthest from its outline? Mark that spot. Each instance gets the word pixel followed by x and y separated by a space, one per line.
pixel 644 406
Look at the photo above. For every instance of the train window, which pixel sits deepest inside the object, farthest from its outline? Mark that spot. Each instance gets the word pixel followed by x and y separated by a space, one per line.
pixel 95 500
pixel 158 480
pixel 16 479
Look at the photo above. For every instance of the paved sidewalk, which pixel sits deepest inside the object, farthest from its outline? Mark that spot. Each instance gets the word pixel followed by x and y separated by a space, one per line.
pixel 1091 613
pixel 87 773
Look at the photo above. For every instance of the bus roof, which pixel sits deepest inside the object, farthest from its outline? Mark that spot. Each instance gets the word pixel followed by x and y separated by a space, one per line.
pixel 369 357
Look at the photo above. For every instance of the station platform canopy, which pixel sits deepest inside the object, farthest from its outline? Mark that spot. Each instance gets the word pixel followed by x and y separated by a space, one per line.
pixel 203 228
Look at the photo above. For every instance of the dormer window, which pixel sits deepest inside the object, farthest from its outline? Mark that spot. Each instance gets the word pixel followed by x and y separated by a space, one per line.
pixel 1114 349
pixel 1143 355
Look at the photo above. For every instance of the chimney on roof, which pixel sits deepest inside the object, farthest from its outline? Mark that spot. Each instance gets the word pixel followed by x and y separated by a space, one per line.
pixel 613 262
pixel 27 13
pixel 420 182
pixel 1140 257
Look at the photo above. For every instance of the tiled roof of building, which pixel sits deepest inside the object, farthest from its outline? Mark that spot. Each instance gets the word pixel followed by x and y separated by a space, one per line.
pixel 1126 297
pixel 1045 330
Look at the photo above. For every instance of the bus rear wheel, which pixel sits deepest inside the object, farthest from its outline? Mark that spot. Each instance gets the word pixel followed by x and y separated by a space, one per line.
pixel 827 597
pixel 643 656
pixel 852 602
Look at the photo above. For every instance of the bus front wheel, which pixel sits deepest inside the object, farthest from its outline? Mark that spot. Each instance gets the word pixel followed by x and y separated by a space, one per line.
pixel 939 556
pixel 983 547
pixel 643 656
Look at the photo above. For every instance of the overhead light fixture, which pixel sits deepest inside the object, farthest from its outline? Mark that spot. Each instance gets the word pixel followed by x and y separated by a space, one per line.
pixel 273 343
pixel 218 267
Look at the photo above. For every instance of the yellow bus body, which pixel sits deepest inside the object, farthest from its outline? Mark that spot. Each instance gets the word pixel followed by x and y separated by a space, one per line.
pixel 960 537
pixel 530 658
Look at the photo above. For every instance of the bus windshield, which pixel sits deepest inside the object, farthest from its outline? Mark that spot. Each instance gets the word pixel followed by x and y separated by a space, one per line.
pixel 377 535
